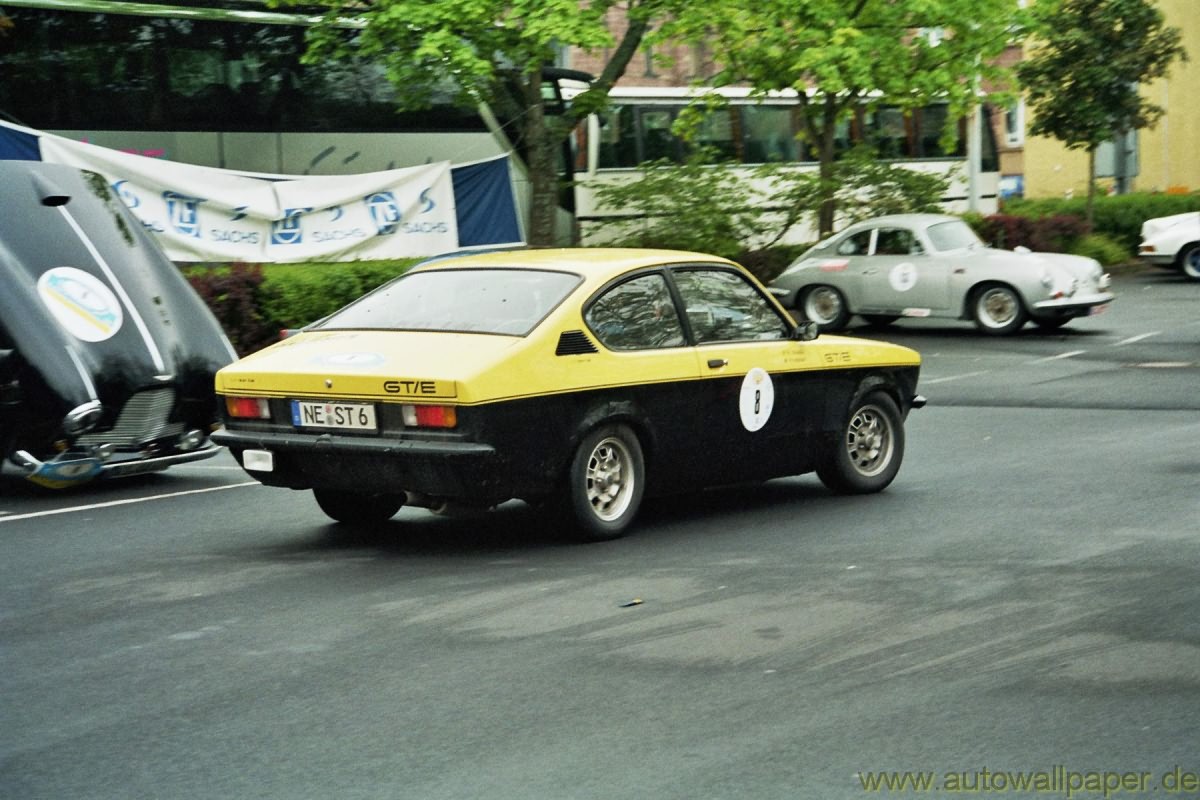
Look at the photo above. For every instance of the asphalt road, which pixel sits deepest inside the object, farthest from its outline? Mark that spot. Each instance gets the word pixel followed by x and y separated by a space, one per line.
pixel 1023 599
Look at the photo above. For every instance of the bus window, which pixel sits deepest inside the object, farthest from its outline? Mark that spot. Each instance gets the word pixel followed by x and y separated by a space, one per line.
pixel 657 139
pixel 717 132
pixel 767 134
pixel 887 130
pixel 931 123
pixel 618 138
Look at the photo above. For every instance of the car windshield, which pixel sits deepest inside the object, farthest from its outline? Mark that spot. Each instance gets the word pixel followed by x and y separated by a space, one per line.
pixel 504 301
pixel 953 235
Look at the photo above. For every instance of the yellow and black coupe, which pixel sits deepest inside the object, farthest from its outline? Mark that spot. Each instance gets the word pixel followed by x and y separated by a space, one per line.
pixel 579 379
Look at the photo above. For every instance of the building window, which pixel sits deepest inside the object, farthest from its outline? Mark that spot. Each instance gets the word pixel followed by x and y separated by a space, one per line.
pixel 1014 124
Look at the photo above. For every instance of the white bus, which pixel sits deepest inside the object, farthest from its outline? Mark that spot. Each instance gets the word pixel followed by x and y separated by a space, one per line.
pixel 751 131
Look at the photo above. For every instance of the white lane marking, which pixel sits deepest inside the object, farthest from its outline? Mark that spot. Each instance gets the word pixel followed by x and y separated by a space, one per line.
pixel 92 506
pixel 203 467
pixel 1058 357
pixel 1137 338
pixel 955 377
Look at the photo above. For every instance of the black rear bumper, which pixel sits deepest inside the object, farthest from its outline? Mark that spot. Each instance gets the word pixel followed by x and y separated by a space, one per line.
pixel 448 469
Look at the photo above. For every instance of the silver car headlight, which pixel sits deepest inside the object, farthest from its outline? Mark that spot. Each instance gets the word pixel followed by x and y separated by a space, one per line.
pixel 82 419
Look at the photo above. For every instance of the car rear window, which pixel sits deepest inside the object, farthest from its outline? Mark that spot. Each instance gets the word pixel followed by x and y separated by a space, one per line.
pixel 952 235
pixel 503 301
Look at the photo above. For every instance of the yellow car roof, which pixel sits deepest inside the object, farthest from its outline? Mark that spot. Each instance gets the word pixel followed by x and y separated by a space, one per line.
pixel 596 264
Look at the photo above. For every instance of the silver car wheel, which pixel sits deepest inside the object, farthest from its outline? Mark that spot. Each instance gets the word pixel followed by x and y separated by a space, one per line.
pixel 869 441
pixel 611 479
pixel 998 310
pixel 826 306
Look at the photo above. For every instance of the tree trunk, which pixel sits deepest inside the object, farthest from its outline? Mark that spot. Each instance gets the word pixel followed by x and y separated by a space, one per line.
pixel 543 168
pixel 1091 193
pixel 825 164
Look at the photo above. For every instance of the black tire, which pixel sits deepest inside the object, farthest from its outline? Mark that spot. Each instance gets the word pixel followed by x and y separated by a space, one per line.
pixel 1189 262
pixel 357 508
pixel 880 320
pixel 825 306
pixel 866 454
pixel 605 483
pixel 997 309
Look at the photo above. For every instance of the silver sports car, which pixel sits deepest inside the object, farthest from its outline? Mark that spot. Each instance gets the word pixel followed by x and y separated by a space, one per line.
pixel 932 265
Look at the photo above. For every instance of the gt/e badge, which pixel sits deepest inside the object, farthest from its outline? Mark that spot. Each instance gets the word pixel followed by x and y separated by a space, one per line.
pixel 410 387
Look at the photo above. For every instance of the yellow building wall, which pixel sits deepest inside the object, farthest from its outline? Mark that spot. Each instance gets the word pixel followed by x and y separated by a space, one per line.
pixel 1168 154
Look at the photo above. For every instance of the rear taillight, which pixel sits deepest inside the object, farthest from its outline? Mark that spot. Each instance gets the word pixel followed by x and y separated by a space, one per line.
pixel 248 407
pixel 430 416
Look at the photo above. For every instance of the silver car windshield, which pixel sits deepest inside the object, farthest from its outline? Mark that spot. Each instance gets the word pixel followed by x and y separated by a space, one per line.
pixel 953 235
pixel 503 301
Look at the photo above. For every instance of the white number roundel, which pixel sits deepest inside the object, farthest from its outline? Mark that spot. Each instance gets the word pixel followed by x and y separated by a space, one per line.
pixel 903 276
pixel 81 303
pixel 756 399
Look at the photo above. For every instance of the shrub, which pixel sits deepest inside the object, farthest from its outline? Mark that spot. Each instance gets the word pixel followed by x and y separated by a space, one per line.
pixel 253 302
pixel 766 263
pixel 233 293
pixel 1101 247
pixel 297 294
pixel 1055 234
pixel 1118 216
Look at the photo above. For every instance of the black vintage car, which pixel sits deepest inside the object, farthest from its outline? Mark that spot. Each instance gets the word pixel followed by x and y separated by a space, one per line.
pixel 107 355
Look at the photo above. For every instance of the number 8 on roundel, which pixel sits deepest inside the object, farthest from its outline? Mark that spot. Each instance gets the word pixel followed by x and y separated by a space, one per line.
pixel 756 399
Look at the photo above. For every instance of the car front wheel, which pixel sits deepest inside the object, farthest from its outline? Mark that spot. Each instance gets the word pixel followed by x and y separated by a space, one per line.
pixel 1189 262
pixel 357 508
pixel 606 482
pixel 825 306
pixel 998 310
pixel 866 454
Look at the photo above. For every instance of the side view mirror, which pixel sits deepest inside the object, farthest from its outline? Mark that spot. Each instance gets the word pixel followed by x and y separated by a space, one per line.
pixel 805 331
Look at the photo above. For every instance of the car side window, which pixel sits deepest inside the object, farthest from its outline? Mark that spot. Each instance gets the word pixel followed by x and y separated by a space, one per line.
pixel 897 242
pixel 638 314
pixel 723 306
pixel 857 245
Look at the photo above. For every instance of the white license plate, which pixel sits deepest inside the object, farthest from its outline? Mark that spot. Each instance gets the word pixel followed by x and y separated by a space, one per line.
pixel 348 416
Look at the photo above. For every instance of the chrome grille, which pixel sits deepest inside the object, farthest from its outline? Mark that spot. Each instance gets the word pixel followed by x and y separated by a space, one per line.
pixel 143 419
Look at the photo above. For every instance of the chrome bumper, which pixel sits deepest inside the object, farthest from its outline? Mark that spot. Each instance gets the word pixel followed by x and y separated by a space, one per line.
pixel 72 469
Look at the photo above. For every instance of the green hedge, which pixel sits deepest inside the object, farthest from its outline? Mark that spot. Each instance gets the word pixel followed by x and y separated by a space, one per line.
pixel 254 302
pixel 1119 217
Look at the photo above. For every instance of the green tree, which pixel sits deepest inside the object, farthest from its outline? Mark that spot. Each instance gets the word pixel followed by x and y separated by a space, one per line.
pixel 1082 79
pixel 705 205
pixel 698 205
pixel 493 52
pixel 842 55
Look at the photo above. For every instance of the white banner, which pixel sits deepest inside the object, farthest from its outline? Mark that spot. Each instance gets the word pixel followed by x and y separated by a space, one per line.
pixel 206 214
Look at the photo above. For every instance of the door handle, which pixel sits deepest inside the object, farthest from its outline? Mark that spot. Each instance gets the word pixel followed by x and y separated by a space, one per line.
pixel 717 363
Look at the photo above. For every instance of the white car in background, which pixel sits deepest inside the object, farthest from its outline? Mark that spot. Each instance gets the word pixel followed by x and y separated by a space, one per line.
pixel 1173 242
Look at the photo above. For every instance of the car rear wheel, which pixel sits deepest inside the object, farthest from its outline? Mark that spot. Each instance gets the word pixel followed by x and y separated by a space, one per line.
pixel 825 306
pixel 867 452
pixel 357 508
pixel 998 310
pixel 1189 261
pixel 606 481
